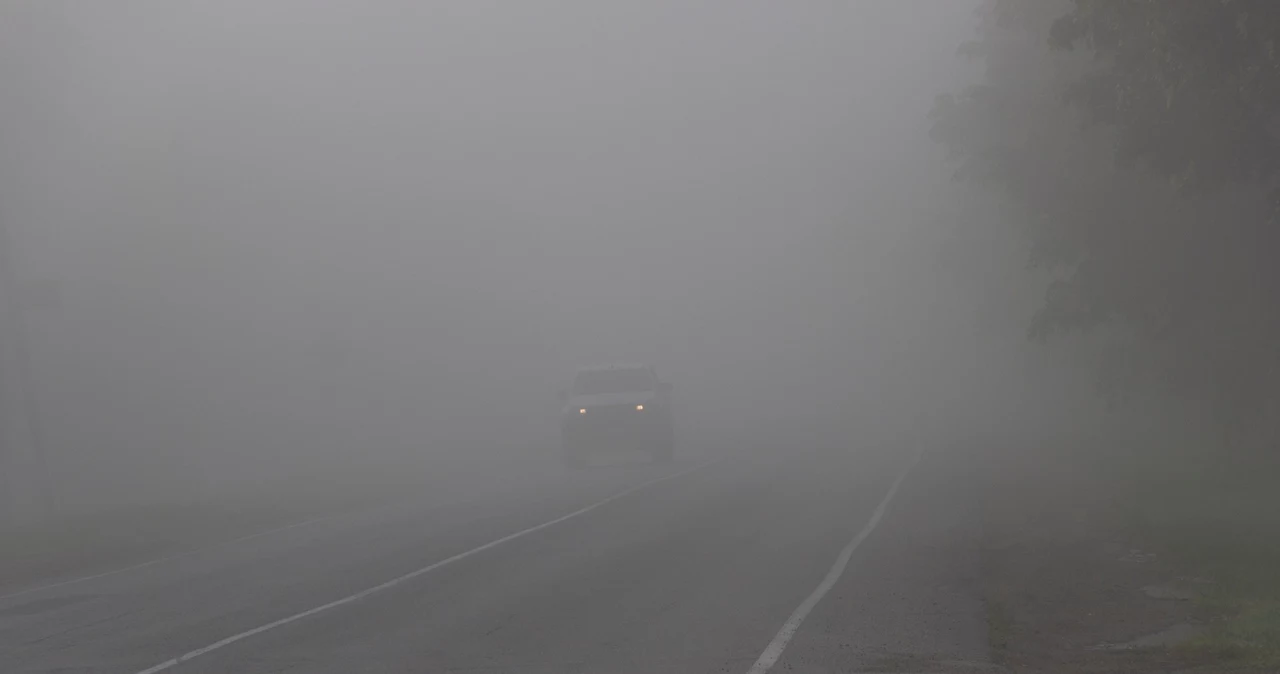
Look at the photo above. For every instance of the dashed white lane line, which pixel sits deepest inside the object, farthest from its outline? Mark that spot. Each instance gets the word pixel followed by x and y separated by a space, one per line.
pixel 775 648
pixel 414 574
pixel 161 560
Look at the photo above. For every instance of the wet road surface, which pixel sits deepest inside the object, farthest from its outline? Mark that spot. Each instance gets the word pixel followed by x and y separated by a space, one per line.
pixel 689 567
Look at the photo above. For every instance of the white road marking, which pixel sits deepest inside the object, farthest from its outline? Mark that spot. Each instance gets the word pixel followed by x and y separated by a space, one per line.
pixel 775 648
pixel 162 560
pixel 414 574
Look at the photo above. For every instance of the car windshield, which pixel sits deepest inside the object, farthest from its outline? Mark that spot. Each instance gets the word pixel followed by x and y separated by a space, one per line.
pixel 592 382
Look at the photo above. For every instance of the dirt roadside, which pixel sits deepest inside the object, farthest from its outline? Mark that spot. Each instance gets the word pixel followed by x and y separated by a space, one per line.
pixel 1091 568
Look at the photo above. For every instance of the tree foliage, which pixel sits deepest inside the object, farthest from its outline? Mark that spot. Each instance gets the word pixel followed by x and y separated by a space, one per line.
pixel 1138 141
pixel 1191 86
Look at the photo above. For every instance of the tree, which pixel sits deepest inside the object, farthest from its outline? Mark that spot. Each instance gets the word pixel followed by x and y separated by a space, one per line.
pixel 1192 87
pixel 1145 198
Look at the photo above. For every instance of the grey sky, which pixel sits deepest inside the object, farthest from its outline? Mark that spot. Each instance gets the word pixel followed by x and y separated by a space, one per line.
pixel 402 223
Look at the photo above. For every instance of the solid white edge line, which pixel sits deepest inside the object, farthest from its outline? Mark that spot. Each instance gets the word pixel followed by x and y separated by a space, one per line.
pixel 190 655
pixel 774 650
pixel 161 560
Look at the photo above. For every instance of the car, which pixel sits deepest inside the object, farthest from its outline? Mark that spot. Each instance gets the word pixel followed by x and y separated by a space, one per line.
pixel 620 406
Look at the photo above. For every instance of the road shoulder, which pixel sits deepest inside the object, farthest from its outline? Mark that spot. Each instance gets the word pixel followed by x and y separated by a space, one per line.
pixel 910 599
pixel 1091 567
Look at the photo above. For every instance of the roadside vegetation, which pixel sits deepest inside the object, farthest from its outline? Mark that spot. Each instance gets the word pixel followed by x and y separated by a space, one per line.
pixel 1225 538
pixel 1132 148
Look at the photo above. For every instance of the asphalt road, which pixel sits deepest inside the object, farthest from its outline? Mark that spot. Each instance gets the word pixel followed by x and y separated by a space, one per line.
pixel 690 567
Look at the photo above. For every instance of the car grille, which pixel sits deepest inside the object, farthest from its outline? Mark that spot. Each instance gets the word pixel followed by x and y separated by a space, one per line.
pixel 612 413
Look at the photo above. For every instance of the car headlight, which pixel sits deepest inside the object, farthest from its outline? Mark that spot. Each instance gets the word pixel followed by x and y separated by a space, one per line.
pixel 639 408
pixel 582 410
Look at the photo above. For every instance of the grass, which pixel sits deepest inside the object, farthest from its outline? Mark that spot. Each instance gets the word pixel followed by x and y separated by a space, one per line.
pixel 1212 520
pixel 1222 526
pixel 1249 640
pixel 1244 605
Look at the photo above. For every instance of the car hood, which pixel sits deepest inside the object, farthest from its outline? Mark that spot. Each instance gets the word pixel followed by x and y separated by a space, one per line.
pixel 606 399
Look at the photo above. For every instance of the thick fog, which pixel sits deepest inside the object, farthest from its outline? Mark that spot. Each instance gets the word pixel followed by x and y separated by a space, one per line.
pixel 255 239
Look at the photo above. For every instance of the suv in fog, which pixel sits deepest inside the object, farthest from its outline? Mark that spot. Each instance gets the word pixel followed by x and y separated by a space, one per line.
pixel 617 407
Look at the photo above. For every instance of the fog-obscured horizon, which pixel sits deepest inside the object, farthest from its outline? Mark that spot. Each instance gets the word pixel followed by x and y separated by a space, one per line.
pixel 284 236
